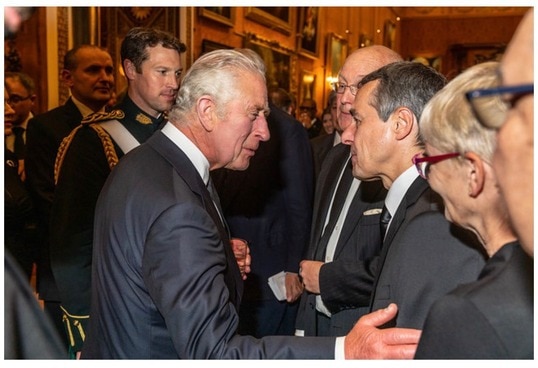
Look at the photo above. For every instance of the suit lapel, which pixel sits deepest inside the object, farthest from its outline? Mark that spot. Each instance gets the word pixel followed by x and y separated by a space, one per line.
pixel 184 168
pixel 327 182
pixel 410 198
pixel 368 194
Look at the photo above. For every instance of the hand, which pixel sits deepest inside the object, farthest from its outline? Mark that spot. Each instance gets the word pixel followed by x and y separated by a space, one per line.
pixel 294 287
pixel 242 255
pixel 366 341
pixel 309 271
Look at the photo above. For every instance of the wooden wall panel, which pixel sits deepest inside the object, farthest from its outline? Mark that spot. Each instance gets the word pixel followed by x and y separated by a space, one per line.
pixel 434 37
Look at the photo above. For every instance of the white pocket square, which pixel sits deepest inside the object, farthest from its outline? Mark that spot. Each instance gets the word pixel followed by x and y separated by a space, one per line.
pixel 373 211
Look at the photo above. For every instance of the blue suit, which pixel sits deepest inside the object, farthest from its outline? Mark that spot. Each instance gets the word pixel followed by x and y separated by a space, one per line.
pixel 165 283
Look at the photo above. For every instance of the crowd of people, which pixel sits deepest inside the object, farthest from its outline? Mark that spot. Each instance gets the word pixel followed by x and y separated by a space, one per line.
pixel 400 222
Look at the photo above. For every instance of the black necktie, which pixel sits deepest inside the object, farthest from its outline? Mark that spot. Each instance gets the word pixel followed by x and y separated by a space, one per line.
pixel 338 203
pixel 19 142
pixel 384 221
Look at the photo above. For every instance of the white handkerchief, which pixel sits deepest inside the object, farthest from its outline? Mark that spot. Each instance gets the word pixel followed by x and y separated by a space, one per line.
pixel 373 211
pixel 277 283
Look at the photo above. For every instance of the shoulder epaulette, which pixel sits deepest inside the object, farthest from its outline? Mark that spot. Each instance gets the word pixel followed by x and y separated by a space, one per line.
pixel 98 117
pixel 108 147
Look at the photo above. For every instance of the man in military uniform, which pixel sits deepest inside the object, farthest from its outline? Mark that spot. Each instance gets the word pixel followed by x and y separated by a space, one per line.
pixel 152 64
pixel 88 73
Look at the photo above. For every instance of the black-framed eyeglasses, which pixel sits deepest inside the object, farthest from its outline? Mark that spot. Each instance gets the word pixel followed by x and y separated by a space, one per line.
pixel 423 163
pixel 340 88
pixel 15 99
pixel 491 105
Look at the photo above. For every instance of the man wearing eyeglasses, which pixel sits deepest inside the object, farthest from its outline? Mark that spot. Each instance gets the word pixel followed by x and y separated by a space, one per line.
pixel 345 218
pixel 513 160
pixel 423 256
pixel 21 98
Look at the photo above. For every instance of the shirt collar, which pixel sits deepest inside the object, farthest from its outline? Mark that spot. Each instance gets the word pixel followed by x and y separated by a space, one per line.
pixel 85 110
pixel 399 187
pixel 193 153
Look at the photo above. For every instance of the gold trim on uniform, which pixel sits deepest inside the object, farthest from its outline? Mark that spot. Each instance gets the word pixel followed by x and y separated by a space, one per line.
pixel 97 117
pixel 143 119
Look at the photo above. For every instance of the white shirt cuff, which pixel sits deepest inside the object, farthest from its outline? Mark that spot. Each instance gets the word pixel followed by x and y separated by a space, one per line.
pixel 339 352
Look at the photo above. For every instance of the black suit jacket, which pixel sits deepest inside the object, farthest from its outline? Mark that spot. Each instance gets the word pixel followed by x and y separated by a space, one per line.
pixel 270 203
pixel 359 241
pixel 491 318
pixel 165 281
pixel 321 146
pixel 423 258
pixel 44 134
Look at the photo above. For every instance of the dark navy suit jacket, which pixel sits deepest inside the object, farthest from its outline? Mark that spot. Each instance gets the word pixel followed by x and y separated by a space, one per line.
pixel 165 283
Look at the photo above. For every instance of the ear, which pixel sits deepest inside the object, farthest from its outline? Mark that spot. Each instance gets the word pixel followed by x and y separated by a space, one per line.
pixel 206 111
pixel 476 174
pixel 67 77
pixel 403 120
pixel 129 69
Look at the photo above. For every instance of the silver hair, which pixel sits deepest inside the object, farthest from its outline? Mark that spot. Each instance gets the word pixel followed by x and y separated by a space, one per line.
pixel 215 74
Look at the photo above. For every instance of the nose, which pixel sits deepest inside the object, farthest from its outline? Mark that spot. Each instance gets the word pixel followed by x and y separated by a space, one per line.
pixel 348 135
pixel 261 129
pixel 173 82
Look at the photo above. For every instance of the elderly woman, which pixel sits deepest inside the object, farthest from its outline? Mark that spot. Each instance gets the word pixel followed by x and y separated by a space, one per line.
pixel 491 318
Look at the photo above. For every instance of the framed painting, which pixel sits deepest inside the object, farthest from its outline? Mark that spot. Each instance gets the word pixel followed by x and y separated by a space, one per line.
pixel 308 30
pixel 208 46
pixel 277 63
pixel 336 54
pixel 274 17
pixel 307 85
pixel 221 14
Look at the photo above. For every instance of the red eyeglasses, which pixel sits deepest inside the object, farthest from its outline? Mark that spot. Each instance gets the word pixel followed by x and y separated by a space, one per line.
pixel 422 163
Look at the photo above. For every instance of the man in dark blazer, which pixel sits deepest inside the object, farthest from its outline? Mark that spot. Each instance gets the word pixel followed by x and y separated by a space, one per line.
pixel 88 72
pixel 423 255
pixel 165 282
pixel 344 230
pixel 270 205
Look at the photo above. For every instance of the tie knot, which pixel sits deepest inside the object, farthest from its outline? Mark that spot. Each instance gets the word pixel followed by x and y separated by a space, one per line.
pixel 385 215
pixel 384 221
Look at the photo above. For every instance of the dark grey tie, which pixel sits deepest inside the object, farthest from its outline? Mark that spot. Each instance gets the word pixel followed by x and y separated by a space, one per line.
pixel 215 197
pixel 384 221
pixel 18 147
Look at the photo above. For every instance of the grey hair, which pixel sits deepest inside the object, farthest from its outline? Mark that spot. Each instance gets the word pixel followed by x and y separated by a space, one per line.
pixel 215 74
pixel 403 84
pixel 448 122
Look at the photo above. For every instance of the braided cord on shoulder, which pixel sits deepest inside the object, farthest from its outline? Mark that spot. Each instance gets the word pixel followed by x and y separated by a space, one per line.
pixel 64 146
pixel 106 141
